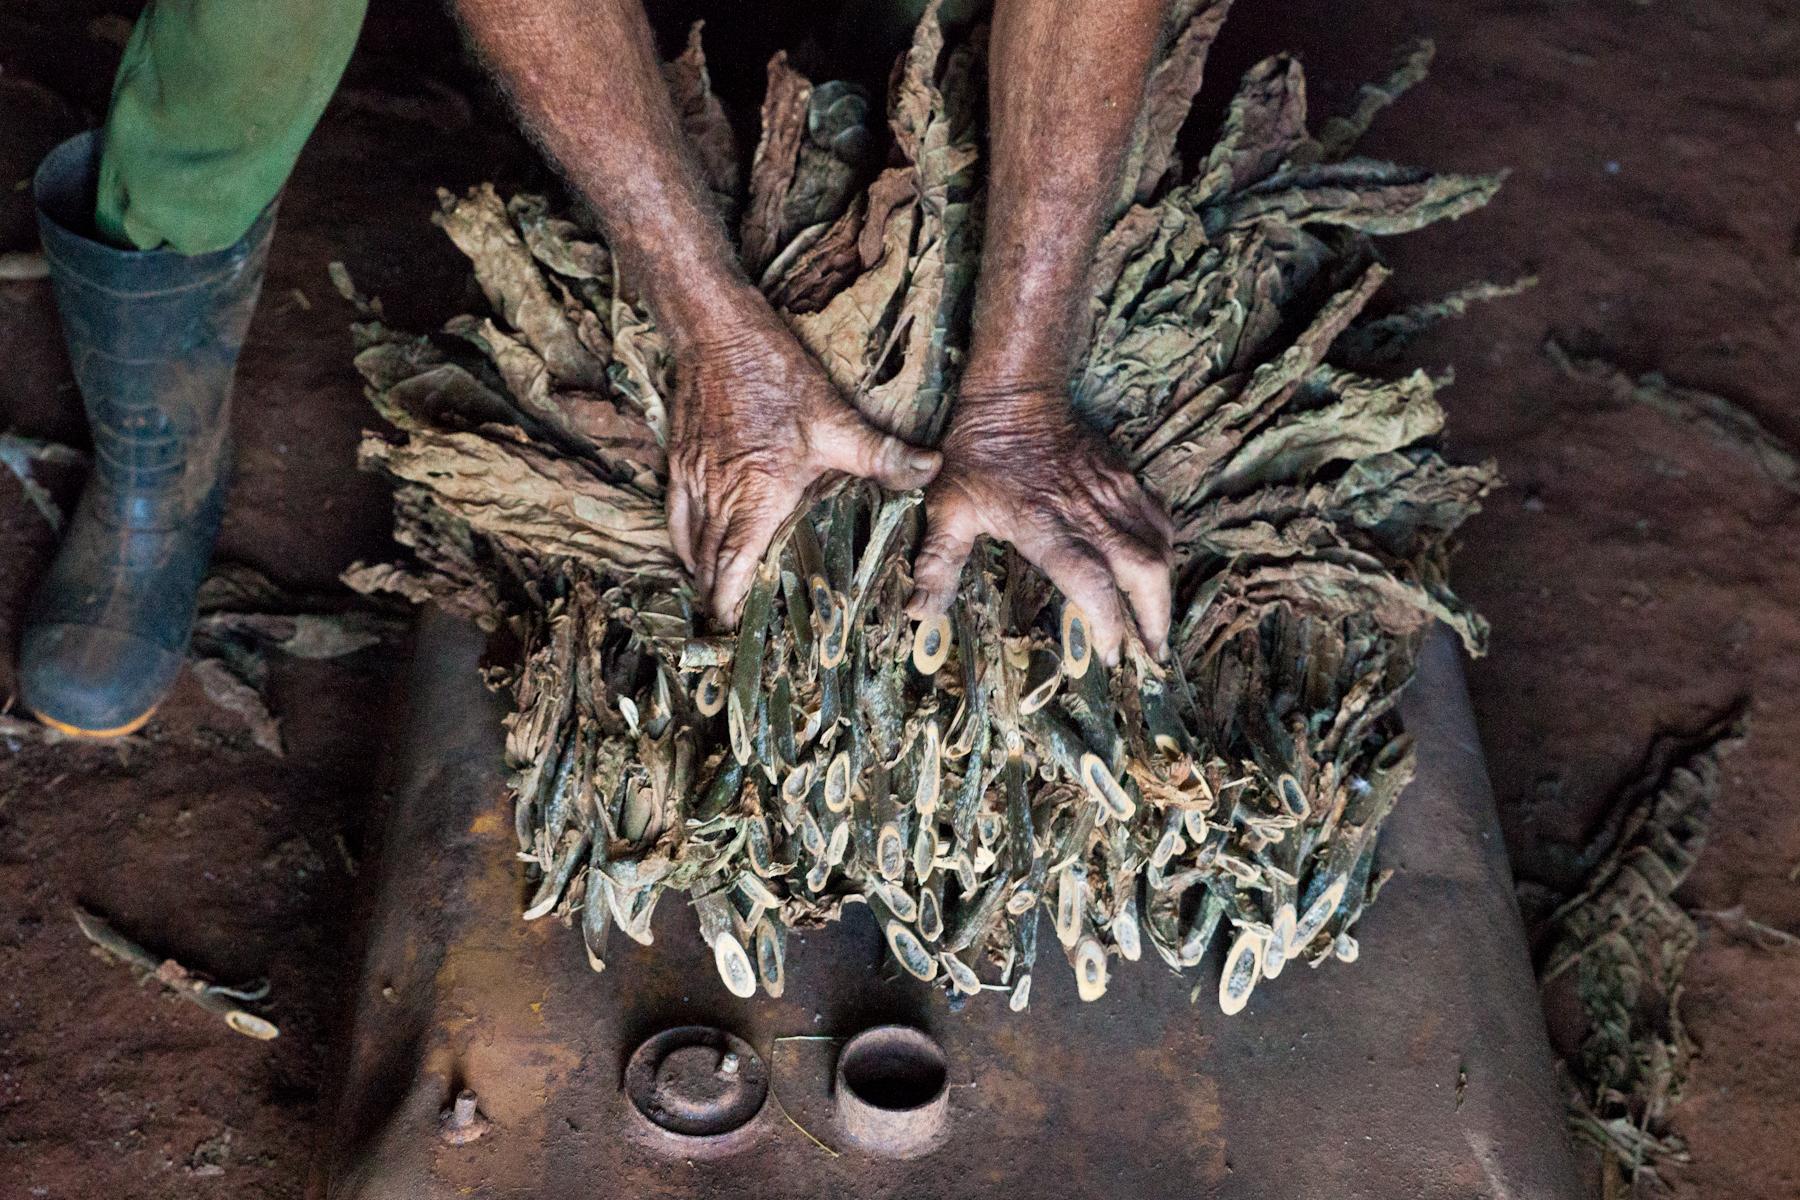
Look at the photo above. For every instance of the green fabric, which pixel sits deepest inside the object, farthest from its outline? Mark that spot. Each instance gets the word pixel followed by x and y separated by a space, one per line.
pixel 212 105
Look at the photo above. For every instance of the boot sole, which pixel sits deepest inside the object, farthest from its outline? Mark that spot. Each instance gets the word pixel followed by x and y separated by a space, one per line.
pixel 119 731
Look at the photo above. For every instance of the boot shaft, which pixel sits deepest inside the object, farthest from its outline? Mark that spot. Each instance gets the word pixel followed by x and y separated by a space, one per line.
pixel 153 337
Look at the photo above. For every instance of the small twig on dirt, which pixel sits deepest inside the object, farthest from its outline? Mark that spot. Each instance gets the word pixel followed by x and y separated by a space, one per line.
pixel 195 989
pixel 351 866
pixel 1759 933
pixel 21 454
pixel 782 1108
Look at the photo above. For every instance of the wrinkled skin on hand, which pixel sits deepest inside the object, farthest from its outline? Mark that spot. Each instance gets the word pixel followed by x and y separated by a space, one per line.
pixel 1025 470
pixel 755 423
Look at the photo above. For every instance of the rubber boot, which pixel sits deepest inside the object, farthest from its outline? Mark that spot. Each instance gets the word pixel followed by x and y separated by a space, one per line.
pixel 153 337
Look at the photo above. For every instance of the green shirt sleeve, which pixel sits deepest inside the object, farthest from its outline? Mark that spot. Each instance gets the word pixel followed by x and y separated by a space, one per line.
pixel 212 105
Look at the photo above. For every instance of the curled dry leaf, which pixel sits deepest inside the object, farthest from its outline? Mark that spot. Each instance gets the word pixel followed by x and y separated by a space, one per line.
pixel 1621 945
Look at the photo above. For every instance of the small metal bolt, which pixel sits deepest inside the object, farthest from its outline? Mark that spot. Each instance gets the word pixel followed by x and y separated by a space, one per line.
pixel 462 1122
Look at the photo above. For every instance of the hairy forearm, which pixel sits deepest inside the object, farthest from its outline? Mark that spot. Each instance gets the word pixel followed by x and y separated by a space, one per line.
pixel 1066 84
pixel 754 420
pixel 585 79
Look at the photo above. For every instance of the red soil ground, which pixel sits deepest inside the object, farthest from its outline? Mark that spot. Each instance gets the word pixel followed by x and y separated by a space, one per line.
pixel 1639 577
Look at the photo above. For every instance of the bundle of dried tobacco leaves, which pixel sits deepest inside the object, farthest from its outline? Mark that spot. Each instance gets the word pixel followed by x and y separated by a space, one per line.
pixel 973 780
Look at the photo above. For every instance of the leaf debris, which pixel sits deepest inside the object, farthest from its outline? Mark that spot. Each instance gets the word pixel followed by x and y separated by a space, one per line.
pixel 1725 421
pixel 1624 942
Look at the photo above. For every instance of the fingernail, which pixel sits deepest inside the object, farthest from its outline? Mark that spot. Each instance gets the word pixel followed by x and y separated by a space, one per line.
pixel 922 460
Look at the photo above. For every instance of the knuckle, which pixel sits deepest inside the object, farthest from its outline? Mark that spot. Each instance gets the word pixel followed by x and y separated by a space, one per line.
pixel 936 566
pixel 931 555
pixel 1138 553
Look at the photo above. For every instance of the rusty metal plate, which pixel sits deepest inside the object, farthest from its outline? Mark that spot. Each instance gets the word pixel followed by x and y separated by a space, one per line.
pixel 1420 1071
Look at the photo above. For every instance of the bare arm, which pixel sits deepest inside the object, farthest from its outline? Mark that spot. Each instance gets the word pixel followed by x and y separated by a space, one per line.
pixel 1066 84
pixel 754 419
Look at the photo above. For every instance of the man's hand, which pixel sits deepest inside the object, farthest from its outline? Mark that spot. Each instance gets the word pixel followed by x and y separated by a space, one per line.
pixel 755 420
pixel 1025 470
pixel 1065 84
pixel 755 423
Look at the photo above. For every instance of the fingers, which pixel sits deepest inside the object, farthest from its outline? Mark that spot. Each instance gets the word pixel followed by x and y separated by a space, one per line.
pixel 1084 578
pixel 1135 537
pixel 681 523
pixel 707 544
pixel 939 563
pixel 1144 578
pixel 1159 517
pixel 1152 589
pixel 745 542
pixel 843 441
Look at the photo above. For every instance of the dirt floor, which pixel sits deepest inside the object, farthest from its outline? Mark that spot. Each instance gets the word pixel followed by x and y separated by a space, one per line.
pixel 1638 575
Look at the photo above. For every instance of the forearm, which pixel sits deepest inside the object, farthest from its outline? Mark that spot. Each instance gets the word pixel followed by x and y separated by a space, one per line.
pixel 585 79
pixel 754 420
pixel 1066 84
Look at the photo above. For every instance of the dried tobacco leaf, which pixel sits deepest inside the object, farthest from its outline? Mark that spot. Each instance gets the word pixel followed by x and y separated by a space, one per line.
pixel 1626 940
pixel 1169 96
pixel 775 165
pixel 963 779
pixel 517 290
pixel 1725 421
pixel 1379 341
pixel 1340 134
pixel 239 692
pixel 703 120
pixel 244 616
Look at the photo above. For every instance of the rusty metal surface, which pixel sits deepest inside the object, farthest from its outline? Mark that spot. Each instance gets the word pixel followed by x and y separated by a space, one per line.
pixel 1420 1071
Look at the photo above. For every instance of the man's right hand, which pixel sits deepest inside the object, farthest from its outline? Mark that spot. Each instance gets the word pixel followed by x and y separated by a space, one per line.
pixel 755 420
pixel 755 423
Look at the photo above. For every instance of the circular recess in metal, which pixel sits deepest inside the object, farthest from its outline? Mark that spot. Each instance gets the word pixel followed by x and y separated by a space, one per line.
pixel 697 1089
pixel 893 1091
